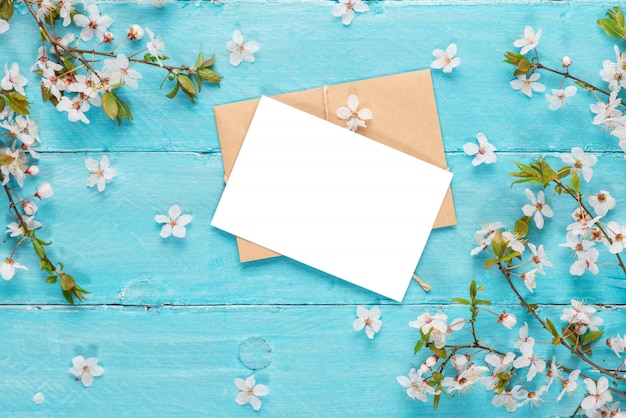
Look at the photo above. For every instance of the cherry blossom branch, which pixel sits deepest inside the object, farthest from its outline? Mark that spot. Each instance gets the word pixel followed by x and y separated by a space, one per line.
pixel 574 350
pixel 576 196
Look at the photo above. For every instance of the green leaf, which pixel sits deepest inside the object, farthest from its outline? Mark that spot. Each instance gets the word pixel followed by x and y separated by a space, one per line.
pixel 483 302
pixel 439 352
pixel 67 282
pixel 490 263
pixel 209 76
pixel 591 337
pixel 611 28
pixel 123 111
pixel 461 301
pixel 472 290
pixel 2 103
pixel 521 227
pixel 498 244
pixel 186 84
pixel 174 91
pixel 617 15
pixel 437 377
pixel 513 57
pixel 436 401
pixel 418 346
pixel 576 181
pixel 199 60
pixel 109 104
pixel 6 159
pixel 51 280
pixel 6 9
pixel 564 172
pixel 41 253
pixel 552 328
pixel 523 67
pixel 511 256
pixel 198 81
pixel 17 102
pixel 208 63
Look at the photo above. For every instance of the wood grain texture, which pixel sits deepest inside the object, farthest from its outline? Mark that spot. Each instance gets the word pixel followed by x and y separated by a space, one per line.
pixel 182 360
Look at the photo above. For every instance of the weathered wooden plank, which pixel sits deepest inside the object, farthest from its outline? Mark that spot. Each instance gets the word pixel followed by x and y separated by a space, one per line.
pixel 183 361
pixel 110 242
pixel 394 37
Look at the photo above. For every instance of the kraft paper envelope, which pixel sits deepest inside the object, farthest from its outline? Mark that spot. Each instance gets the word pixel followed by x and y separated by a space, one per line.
pixel 332 199
pixel 404 117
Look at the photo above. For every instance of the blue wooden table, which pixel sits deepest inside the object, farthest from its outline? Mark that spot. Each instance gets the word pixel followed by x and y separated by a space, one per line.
pixel 175 321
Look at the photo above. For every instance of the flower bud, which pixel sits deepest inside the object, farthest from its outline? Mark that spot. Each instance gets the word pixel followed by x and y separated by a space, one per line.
pixel 107 38
pixel 44 191
pixel 33 170
pixel 566 61
pixel 135 33
pixel 429 363
pixel 29 208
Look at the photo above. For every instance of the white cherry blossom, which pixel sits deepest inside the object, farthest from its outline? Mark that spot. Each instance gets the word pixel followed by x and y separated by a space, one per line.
pixel 526 85
pixel 15 230
pixel 510 399
pixel 12 79
pixel 602 202
pixel 7 268
pixel 464 382
pixel 4 26
pixel 617 234
pixel 607 113
pixel 585 260
pixel 368 319
pixel 75 108
pixel 484 151
pixel 582 317
pixel 99 174
pixel 524 340
pixel 529 279
pixel 617 344
pixel 86 370
pixel 119 71
pixel 354 117
pixel 507 320
pixel 537 207
pixel 240 51
pixel 529 41
pixel 528 358
pixel 346 9
pixel 570 384
pixel 446 60
pixel 94 24
pixel 559 97
pixel 250 392
pixel 155 46
pixel 416 386
pixel 174 222
pixel 598 394
pixel 581 162
pixel 426 322
pixel 539 257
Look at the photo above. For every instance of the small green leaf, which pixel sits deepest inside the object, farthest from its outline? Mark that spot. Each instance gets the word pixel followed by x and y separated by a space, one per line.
pixel 199 60
pixel 6 159
pixel 207 63
pixel 591 337
pixel 472 290
pixel 523 67
pixel 67 282
pixel 437 377
pixel 436 401
pixel 611 28
pixel 209 76
pixel 513 57
pixel 418 346
pixel 6 9
pixel 2 103
pixel 510 256
pixel 198 80
pixel 576 181
pixel 439 352
pixel 174 91
pixel 123 111
pixel 461 301
pixel 186 84
pixel 564 172
pixel 41 253
pixel 109 104
pixel 521 227
pixel 490 263
pixel 51 280
pixel 17 102
pixel 483 302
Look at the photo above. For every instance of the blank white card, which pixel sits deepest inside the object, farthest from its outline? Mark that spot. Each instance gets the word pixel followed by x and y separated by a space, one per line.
pixel 332 199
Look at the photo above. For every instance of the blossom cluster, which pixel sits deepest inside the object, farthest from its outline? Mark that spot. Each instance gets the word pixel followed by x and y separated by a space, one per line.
pixel 607 113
